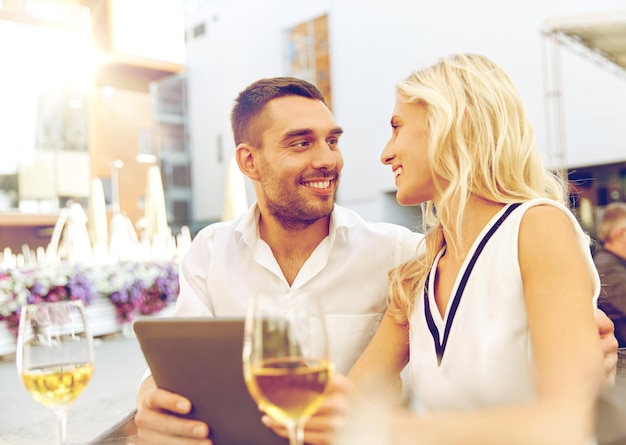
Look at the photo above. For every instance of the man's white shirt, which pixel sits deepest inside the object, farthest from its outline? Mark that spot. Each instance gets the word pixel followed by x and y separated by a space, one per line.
pixel 228 262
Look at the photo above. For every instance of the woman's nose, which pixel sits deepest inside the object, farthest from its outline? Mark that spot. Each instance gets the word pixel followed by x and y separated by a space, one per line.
pixel 387 155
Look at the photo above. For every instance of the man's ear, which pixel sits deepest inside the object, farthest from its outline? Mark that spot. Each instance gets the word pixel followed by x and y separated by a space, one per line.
pixel 244 153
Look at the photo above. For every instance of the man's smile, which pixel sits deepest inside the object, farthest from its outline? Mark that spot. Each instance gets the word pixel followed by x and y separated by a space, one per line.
pixel 318 184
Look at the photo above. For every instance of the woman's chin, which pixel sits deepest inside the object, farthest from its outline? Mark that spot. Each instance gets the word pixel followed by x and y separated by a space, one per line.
pixel 403 201
pixel 409 200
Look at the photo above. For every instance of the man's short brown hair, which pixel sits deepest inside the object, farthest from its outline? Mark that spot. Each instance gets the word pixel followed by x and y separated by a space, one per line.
pixel 250 103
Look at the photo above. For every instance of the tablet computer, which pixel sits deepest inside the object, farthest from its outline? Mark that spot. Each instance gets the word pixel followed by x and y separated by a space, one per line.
pixel 200 358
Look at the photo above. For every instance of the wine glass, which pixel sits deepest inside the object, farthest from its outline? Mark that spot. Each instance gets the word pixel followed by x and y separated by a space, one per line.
pixel 55 355
pixel 286 361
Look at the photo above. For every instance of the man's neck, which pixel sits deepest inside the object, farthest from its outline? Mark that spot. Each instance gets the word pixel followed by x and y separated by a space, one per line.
pixel 292 248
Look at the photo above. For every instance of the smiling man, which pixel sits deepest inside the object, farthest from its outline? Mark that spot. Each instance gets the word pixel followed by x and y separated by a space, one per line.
pixel 295 168
pixel 293 239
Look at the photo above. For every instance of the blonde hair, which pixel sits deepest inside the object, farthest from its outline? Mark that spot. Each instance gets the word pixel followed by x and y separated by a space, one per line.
pixel 613 218
pixel 481 143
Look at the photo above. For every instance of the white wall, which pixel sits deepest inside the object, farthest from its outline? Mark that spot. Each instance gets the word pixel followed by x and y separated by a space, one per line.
pixel 375 43
pixel 243 42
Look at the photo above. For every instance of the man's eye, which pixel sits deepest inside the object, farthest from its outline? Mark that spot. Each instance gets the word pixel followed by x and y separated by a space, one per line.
pixel 333 141
pixel 300 144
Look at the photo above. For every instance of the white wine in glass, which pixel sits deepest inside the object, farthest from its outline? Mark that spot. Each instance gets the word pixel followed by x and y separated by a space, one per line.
pixel 286 359
pixel 55 355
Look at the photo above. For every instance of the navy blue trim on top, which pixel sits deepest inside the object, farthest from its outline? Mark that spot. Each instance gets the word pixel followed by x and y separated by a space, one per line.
pixel 440 346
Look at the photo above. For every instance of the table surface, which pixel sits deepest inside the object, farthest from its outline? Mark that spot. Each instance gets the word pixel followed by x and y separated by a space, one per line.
pixel 122 433
pixel 103 414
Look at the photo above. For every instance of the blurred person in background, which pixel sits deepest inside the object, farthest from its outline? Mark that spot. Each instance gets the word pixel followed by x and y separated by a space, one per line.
pixel 610 260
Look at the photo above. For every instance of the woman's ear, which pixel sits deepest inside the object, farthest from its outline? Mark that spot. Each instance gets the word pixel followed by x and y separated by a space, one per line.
pixel 244 153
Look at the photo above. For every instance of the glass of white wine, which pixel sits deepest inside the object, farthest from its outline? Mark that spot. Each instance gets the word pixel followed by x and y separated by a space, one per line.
pixel 55 355
pixel 286 360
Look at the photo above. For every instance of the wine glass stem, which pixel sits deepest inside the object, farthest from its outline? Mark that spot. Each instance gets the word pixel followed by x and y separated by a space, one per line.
pixel 61 414
pixel 296 433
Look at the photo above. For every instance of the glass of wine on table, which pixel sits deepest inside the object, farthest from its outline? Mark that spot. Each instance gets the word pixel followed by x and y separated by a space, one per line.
pixel 286 360
pixel 55 355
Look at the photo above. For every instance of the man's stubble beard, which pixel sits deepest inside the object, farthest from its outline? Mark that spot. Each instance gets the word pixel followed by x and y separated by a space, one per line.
pixel 291 210
pixel 296 214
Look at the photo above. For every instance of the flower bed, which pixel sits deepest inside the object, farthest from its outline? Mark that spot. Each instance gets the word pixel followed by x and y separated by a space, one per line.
pixel 134 288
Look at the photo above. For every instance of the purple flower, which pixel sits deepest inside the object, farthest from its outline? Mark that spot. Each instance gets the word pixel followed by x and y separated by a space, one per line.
pixel 133 287
pixel 38 289
pixel 81 287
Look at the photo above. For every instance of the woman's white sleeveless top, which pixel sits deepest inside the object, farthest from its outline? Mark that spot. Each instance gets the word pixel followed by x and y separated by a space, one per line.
pixel 483 356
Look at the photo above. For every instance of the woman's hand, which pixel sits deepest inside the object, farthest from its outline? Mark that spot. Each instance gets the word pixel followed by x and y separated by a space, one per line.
pixel 330 417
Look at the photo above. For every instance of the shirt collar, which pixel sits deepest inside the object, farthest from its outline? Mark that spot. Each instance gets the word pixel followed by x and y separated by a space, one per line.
pixel 247 227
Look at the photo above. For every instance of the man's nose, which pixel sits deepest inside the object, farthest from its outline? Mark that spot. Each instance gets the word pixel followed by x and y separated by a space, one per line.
pixel 325 157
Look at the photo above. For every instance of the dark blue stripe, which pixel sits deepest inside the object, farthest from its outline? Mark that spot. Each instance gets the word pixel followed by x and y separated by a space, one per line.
pixel 440 347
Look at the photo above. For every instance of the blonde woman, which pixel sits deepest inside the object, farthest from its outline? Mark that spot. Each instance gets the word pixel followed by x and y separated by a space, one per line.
pixel 495 318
